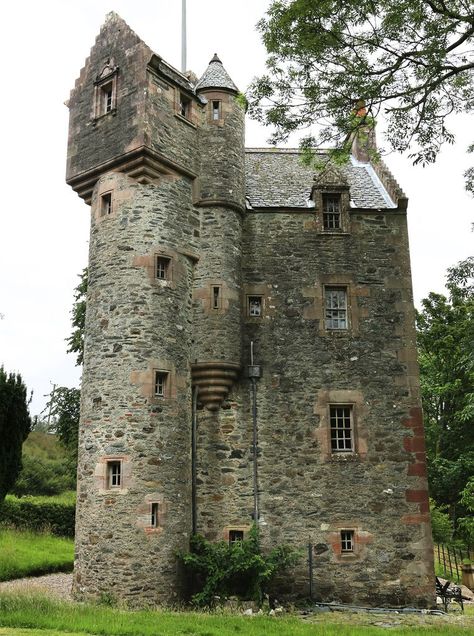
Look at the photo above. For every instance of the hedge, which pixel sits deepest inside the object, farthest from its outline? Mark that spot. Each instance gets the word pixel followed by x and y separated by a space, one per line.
pixel 39 514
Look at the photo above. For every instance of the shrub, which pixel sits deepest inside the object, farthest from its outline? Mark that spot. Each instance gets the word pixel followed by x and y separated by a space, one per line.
pixel 39 513
pixel 441 524
pixel 240 569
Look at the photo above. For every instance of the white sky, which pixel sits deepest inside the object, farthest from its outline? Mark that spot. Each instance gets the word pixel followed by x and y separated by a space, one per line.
pixel 44 225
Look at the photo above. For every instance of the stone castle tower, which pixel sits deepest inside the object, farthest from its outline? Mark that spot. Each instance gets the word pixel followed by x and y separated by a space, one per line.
pixel 201 252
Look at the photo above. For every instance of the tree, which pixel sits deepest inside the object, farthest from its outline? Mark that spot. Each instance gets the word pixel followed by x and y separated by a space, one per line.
pixel 76 339
pixel 446 353
pixel 65 409
pixel 15 424
pixel 411 60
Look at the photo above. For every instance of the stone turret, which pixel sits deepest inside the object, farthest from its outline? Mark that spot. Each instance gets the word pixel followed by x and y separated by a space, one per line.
pixel 218 274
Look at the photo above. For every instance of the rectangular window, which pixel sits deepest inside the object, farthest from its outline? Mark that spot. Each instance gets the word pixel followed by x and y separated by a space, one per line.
pixel 184 106
pixel 235 536
pixel 347 541
pixel 106 97
pixel 216 111
pixel 336 307
pixel 255 305
pixel 331 211
pixel 342 428
pixel 154 515
pixel 106 204
pixel 215 296
pixel 161 383
pixel 162 269
pixel 114 474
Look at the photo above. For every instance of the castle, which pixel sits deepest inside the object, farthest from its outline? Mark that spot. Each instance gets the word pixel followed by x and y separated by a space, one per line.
pixel 249 349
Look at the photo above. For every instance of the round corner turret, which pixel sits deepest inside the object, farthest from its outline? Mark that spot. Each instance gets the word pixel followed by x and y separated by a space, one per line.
pixel 216 78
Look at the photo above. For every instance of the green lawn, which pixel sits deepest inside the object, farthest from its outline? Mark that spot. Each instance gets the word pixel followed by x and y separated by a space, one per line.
pixel 30 554
pixel 21 611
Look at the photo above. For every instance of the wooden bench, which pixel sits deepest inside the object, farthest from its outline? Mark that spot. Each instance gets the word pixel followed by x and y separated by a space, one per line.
pixel 449 592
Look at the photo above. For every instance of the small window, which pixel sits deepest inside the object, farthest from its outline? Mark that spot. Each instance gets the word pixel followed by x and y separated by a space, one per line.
pixel 114 474
pixel 336 308
pixel 163 268
pixel 161 384
pixel 106 204
pixel 154 515
pixel 331 212
pixel 184 106
pixel 216 110
pixel 255 306
pixel 347 541
pixel 235 536
pixel 342 428
pixel 215 296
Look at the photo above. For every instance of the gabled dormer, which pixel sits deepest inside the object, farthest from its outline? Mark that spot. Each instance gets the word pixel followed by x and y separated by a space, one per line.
pixel 331 196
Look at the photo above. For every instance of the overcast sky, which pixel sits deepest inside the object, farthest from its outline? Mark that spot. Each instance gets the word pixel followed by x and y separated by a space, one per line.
pixel 45 226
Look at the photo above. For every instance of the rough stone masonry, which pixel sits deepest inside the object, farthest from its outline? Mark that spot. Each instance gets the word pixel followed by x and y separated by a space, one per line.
pixel 200 251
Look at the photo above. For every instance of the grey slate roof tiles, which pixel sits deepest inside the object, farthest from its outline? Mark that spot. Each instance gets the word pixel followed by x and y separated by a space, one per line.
pixel 215 76
pixel 276 178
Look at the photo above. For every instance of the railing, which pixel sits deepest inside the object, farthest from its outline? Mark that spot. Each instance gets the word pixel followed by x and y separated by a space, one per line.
pixel 450 559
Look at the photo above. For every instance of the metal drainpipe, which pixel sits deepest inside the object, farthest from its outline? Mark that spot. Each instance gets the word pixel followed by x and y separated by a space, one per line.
pixel 194 460
pixel 254 372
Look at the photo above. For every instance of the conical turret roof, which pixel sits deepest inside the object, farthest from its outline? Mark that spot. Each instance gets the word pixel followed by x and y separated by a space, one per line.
pixel 216 76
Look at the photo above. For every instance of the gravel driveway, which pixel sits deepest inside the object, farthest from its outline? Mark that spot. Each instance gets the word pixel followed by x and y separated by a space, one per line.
pixel 58 585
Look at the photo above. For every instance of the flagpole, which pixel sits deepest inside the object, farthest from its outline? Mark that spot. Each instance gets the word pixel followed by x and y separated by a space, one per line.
pixel 183 36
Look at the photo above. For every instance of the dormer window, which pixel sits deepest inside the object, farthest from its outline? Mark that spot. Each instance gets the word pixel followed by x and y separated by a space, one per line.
pixel 331 212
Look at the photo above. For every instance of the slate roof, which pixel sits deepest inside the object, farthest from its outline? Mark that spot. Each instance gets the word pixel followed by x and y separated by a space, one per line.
pixel 215 76
pixel 276 178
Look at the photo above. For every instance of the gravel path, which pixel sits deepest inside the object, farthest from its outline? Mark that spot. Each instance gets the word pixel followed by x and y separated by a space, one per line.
pixel 58 585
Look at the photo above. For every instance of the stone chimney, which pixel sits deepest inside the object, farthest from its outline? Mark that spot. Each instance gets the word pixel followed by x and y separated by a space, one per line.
pixel 363 139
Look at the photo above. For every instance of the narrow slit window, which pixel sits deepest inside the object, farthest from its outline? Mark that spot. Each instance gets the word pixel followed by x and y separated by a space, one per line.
pixel 161 384
pixel 154 515
pixel 342 428
pixel 106 204
pixel 255 305
pixel 347 541
pixel 114 474
pixel 216 297
pixel 332 211
pixel 163 269
pixel 216 110
pixel 336 308
pixel 235 536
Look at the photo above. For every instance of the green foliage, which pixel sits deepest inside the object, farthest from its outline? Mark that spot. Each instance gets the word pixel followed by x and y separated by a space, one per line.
pixel 78 313
pixel 65 408
pixel 240 569
pixel 31 554
pixel 441 524
pixel 242 101
pixel 46 468
pixel 40 514
pixel 15 424
pixel 446 354
pixel 411 60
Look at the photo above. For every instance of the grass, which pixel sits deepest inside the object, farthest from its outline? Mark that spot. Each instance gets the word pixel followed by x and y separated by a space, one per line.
pixel 38 613
pixel 29 554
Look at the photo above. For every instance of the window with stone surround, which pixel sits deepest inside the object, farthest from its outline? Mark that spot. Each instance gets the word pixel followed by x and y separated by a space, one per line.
pixel 235 536
pixel 341 422
pixel 161 380
pixel 215 110
pixel 347 541
pixel 114 474
pixel 106 204
pixel 336 315
pixel 331 211
pixel 105 91
pixel 184 106
pixel 255 306
pixel 162 267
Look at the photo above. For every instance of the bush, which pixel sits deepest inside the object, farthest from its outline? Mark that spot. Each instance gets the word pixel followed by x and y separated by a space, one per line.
pixel 43 477
pixel 40 513
pixel 441 524
pixel 240 569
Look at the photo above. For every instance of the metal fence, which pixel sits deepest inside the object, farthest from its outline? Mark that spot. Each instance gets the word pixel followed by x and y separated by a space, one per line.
pixel 450 559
